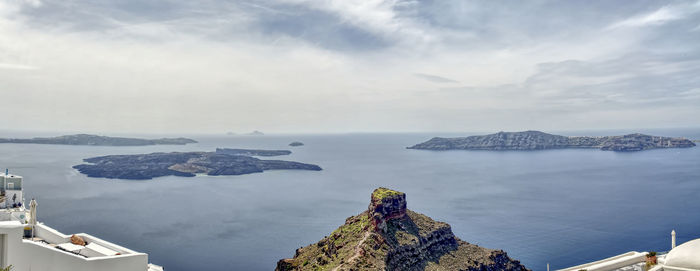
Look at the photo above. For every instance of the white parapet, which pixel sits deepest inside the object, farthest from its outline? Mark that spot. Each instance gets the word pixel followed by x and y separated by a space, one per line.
pixel 50 250
pixel 612 263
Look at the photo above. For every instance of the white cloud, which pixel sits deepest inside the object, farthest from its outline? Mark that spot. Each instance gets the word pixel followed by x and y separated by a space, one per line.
pixel 216 71
pixel 660 16
pixel 33 3
pixel 16 66
pixel 657 17
pixel 376 16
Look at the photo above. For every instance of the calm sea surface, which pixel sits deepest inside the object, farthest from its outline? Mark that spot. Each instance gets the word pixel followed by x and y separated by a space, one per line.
pixel 564 207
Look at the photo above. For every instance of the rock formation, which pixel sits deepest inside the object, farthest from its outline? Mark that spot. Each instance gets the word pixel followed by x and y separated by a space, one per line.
pixel 536 140
pixel 390 237
pixel 95 140
pixel 186 164
pixel 385 205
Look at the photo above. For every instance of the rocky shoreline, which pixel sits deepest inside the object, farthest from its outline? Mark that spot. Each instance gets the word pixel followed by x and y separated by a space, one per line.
pixel 390 237
pixel 95 140
pixel 185 164
pixel 536 140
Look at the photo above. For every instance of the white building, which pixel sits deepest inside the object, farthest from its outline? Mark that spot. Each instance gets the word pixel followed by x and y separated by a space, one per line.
pixel 11 190
pixel 685 257
pixel 50 249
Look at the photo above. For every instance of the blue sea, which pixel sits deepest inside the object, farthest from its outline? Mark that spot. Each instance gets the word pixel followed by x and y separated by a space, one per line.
pixel 563 207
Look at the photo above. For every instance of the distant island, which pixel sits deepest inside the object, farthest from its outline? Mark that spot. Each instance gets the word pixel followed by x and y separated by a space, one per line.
pixel 255 133
pixel 186 164
pixel 387 236
pixel 536 140
pixel 95 140
pixel 249 152
pixel 296 144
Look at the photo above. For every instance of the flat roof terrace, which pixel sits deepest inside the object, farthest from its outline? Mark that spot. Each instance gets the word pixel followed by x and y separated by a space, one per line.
pixel 93 247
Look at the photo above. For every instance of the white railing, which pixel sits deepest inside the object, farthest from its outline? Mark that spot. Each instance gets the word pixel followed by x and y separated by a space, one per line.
pixel 611 263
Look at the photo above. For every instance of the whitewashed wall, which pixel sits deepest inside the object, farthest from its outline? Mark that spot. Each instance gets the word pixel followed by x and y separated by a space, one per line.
pixel 26 255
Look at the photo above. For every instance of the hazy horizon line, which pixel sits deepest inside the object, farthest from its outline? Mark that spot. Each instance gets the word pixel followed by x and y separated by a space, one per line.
pixel 49 133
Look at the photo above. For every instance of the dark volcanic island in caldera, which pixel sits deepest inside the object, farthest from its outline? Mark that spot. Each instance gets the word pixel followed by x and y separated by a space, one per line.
pixel 248 152
pixel 186 164
pixel 390 237
pixel 536 140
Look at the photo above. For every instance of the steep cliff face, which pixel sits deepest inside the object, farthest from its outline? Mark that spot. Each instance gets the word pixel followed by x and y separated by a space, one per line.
pixel 386 204
pixel 536 140
pixel 390 237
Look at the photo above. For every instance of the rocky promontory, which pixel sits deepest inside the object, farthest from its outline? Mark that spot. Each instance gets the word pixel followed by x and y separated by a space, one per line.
pixel 95 140
pixel 536 140
pixel 186 164
pixel 387 236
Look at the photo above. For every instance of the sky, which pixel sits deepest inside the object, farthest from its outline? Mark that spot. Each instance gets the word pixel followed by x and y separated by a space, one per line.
pixel 336 66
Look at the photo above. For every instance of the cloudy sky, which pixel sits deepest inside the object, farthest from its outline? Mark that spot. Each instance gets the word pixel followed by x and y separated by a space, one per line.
pixel 296 66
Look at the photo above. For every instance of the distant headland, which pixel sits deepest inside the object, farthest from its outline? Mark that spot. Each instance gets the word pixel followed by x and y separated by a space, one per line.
pixel 536 140
pixel 186 164
pixel 96 140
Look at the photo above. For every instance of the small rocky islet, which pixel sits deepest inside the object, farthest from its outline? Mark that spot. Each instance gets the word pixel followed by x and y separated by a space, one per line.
pixel 536 140
pixel 296 144
pixel 388 236
pixel 185 164
pixel 96 140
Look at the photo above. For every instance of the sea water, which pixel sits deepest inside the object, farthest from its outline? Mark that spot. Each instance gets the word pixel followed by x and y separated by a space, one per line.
pixel 563 207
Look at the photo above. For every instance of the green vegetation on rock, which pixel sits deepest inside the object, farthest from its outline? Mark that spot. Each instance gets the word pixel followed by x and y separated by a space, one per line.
pixel 381 193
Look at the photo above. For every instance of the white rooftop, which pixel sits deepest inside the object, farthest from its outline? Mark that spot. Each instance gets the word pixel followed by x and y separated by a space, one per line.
pixel 684 257
pixel 71 247
pixel 2 174
pixel 38 247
